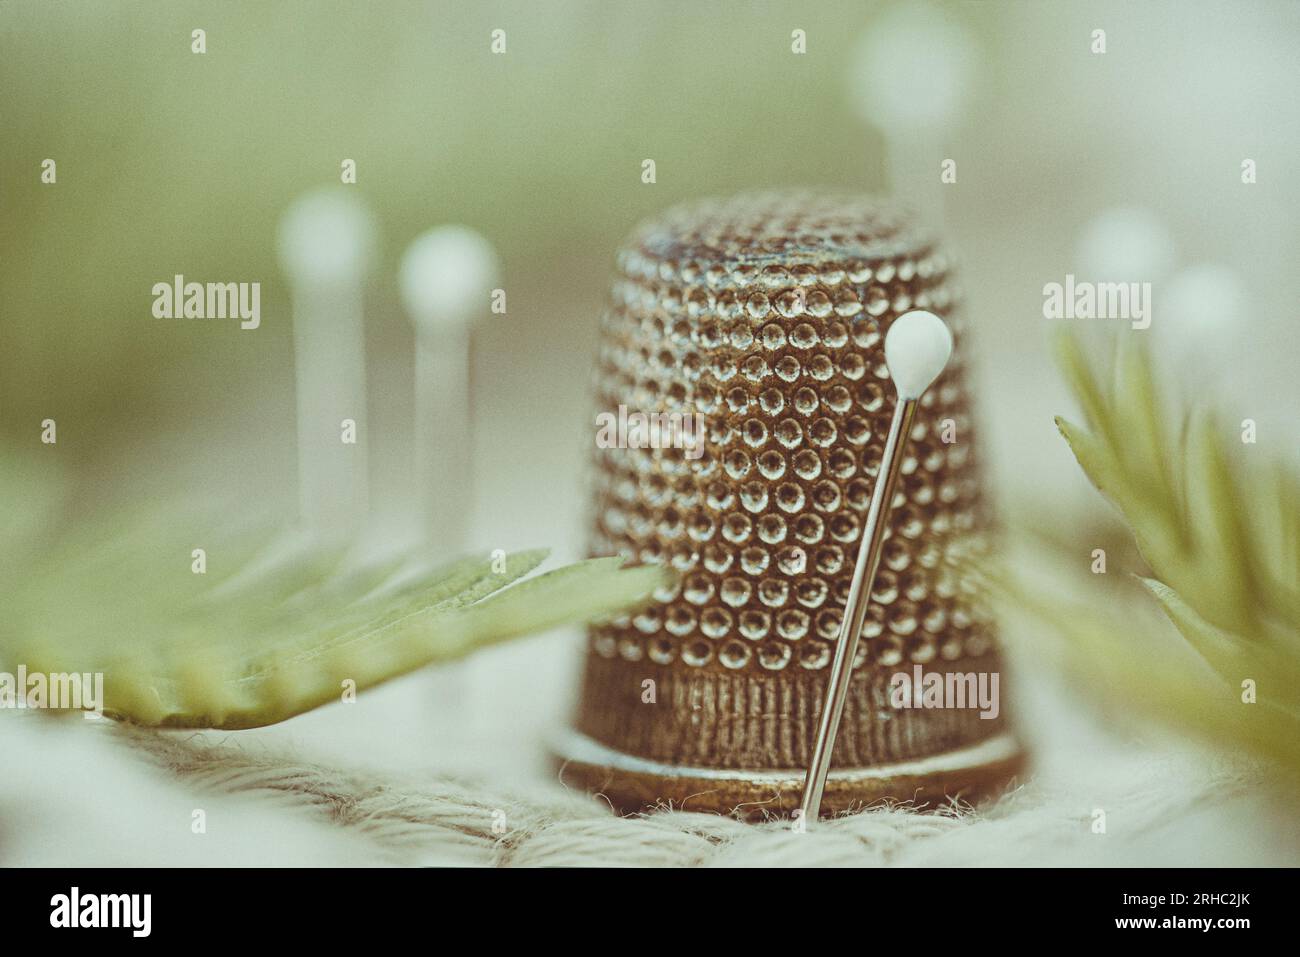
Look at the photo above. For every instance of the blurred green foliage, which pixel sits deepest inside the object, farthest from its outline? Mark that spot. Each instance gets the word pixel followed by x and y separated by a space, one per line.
pixel 1217 523
pixel 276 625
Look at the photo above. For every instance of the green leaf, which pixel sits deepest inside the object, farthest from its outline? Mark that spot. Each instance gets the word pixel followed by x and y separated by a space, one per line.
pixel 275 626
pixel 1220 530
pixel 1232 656
pixel 203 687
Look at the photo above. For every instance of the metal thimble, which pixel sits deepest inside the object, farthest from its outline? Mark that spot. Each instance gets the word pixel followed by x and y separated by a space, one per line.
pixel 742 374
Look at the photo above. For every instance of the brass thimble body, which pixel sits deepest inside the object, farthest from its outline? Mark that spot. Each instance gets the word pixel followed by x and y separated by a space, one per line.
pixel 762 318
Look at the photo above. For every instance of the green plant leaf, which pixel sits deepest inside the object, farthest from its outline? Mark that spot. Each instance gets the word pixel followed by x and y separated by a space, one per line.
pixel 1219 529
pixel 205 684
pixel 275 625
pixel 1232 656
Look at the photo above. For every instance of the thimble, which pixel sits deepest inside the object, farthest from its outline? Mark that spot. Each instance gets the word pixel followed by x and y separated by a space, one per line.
pixel 741 372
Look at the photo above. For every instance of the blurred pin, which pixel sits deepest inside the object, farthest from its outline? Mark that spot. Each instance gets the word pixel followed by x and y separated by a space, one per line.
pixel 1204 304
pixel 446 277
pixel 1200 332
pixel 326 244
pixel 910 77
pixel 917 348
pixel 1125 244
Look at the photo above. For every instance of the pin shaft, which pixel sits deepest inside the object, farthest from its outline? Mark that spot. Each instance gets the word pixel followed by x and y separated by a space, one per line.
pixel 855 611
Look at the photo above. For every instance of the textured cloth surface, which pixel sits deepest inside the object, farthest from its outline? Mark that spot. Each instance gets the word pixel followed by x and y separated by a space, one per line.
pixel 88 793
pixel 449 768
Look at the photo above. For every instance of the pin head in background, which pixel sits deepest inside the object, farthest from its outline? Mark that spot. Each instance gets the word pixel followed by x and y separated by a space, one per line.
pixel 446 276
pixel 327 242
pixel 327 237
pixel 913 69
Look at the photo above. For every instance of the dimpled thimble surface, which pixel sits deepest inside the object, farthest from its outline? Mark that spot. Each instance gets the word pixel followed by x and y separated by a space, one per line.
pixel 761 320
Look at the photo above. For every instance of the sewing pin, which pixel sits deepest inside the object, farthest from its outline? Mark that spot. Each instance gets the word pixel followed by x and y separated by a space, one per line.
pixel 327 242
pixel 917 348
pixel 446 279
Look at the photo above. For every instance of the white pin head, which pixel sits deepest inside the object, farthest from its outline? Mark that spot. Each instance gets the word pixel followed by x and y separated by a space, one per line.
pixel 446 276
pixel 1124 242
pixel 327 237
pixel 917 348
pixel 913 69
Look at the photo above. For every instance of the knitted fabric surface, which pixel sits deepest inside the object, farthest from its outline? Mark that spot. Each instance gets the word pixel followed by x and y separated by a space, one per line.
pixel 260 805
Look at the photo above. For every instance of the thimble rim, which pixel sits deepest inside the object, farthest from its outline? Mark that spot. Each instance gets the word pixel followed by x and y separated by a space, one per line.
pixel 634 785
pixel 573 745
